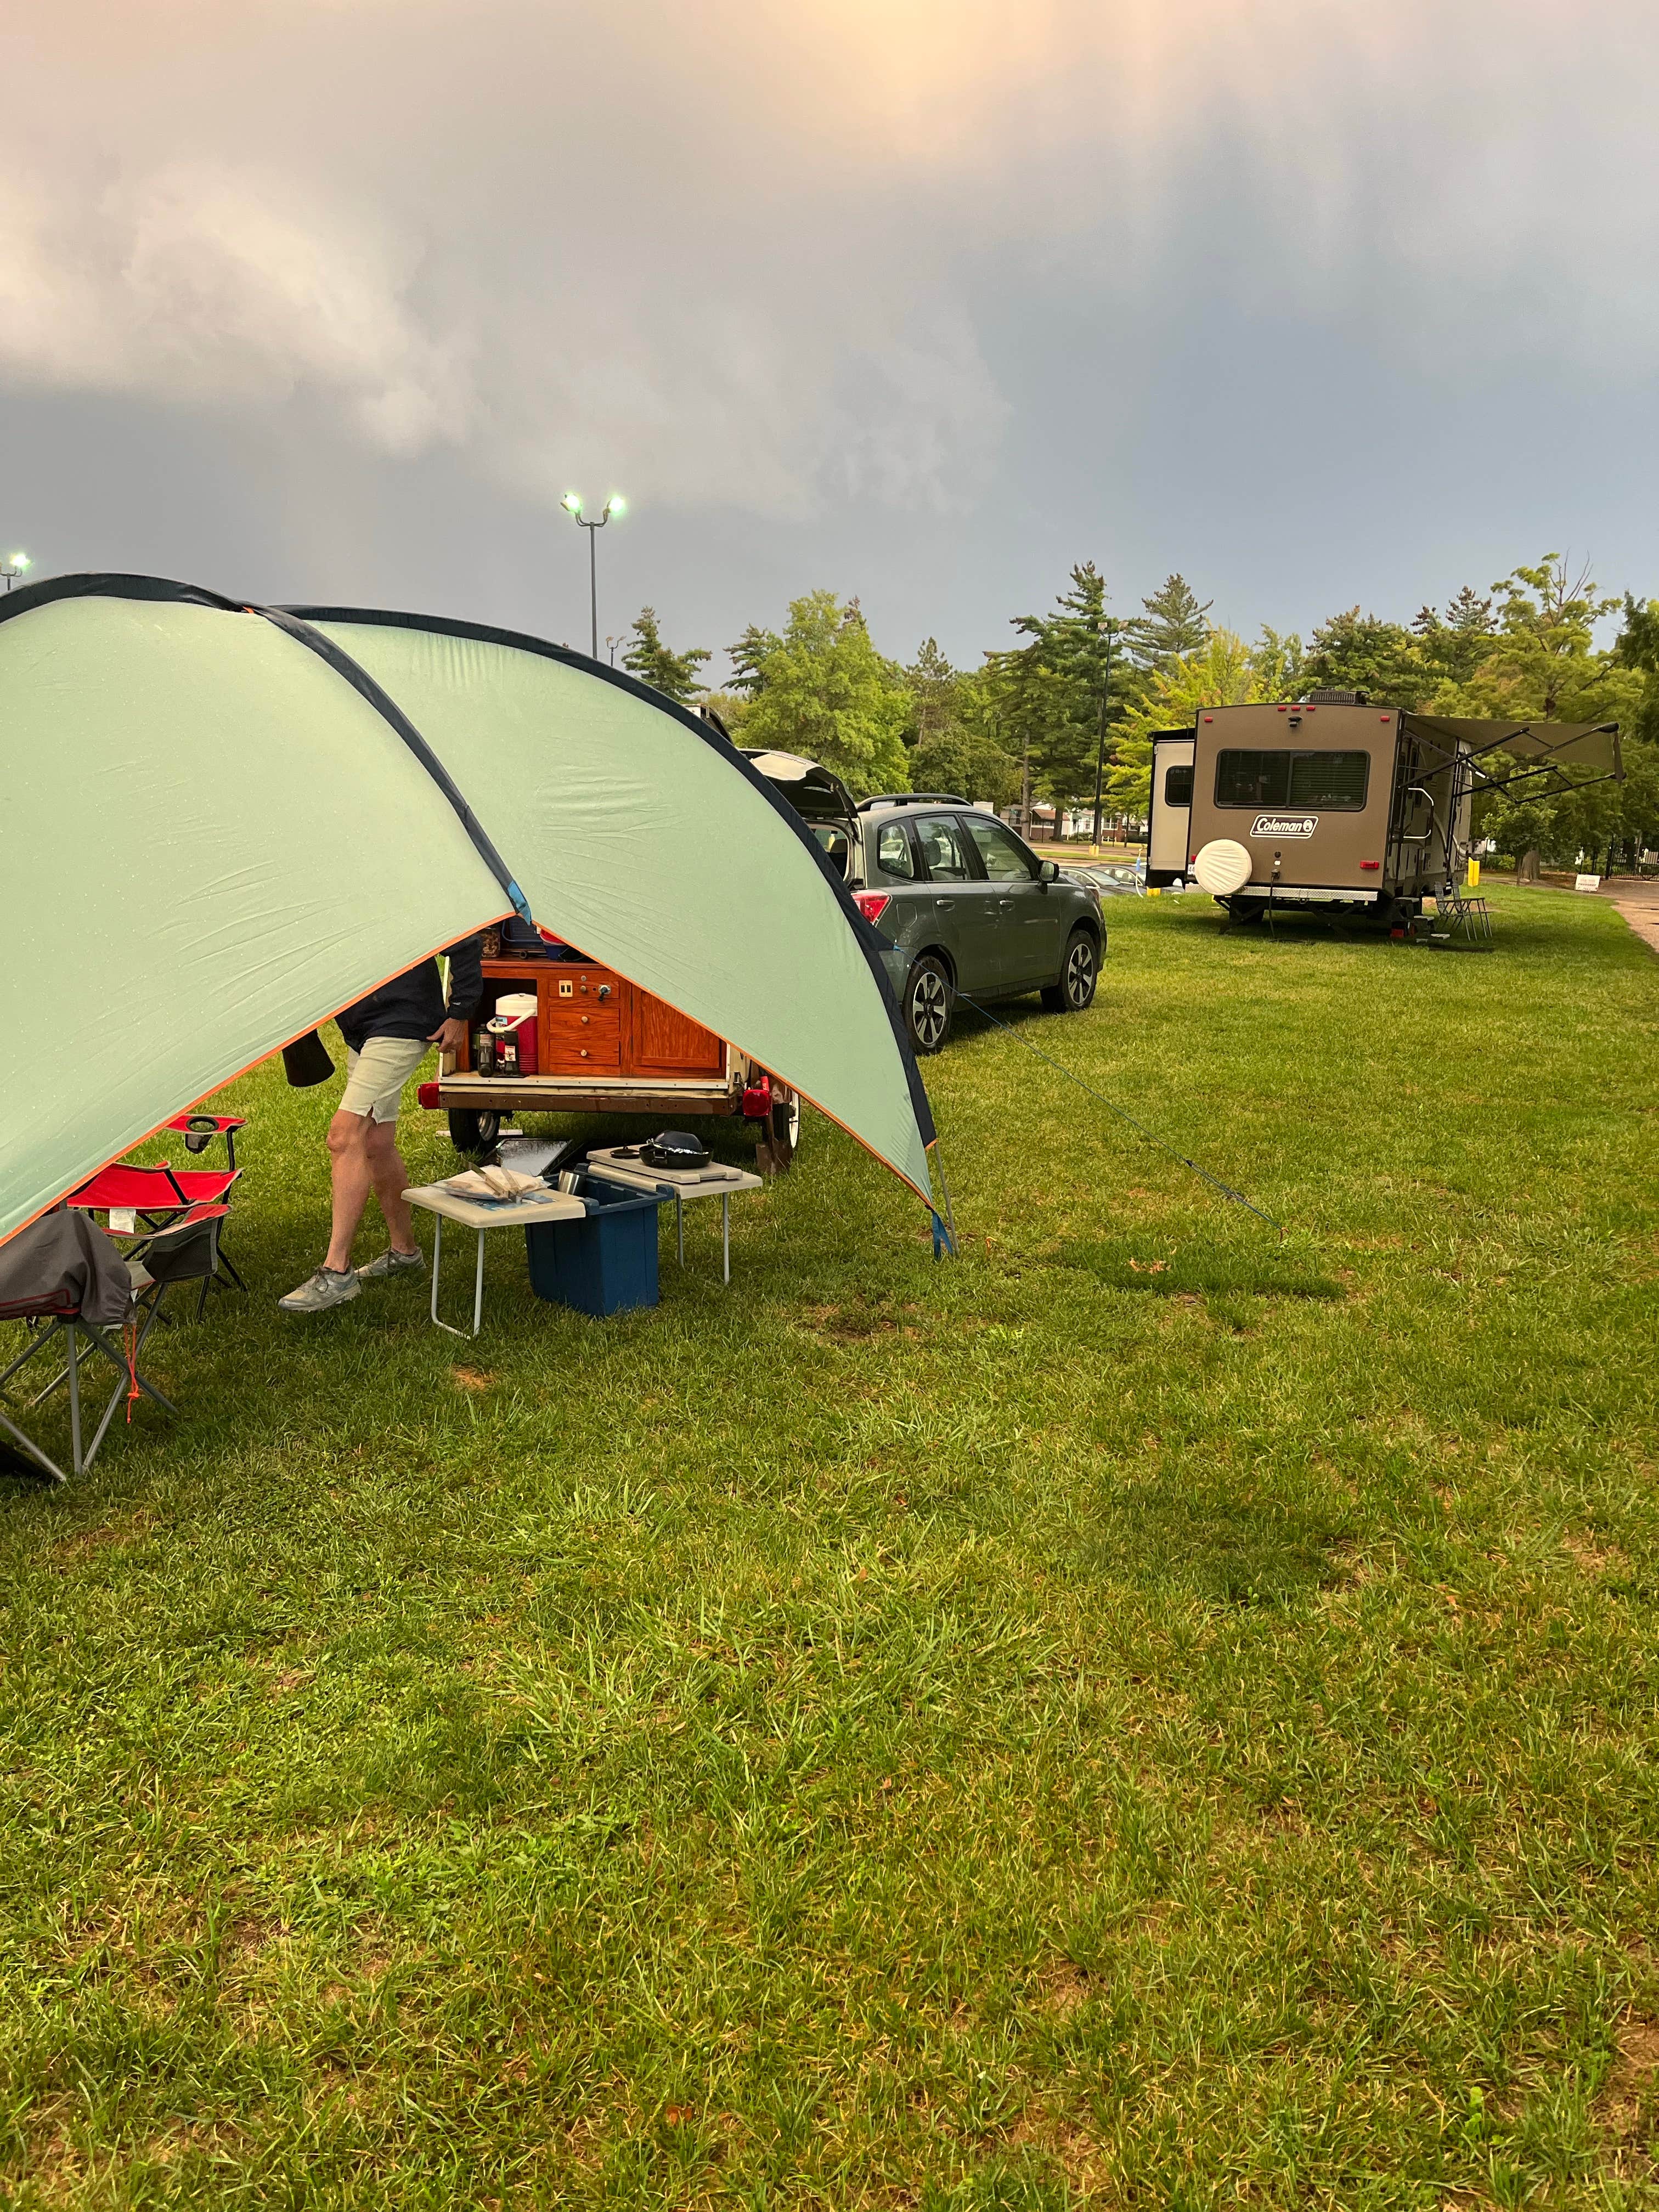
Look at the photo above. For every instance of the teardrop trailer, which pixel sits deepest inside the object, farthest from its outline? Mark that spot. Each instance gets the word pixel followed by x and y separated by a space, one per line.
pixel 1330 805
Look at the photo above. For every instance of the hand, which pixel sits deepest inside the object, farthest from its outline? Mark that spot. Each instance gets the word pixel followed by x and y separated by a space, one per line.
pixel 450 1035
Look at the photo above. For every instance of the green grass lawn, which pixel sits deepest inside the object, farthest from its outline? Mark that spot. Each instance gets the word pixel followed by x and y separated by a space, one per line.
pixel 1150 1715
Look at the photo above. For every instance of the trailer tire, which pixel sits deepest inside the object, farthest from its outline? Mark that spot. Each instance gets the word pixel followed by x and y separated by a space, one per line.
pixel 473 1129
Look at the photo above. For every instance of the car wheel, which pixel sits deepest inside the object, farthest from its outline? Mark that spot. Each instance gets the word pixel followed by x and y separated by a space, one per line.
pixel 927 1004
pixel 473 1129
pixel 1075 990
pixel 775 1153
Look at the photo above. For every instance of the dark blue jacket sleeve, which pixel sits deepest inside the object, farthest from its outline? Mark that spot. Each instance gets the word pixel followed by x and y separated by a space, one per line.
pixel 465 978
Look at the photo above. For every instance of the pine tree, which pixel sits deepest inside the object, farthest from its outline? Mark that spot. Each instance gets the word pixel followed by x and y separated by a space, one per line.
pixel 658 664
pixel 748 657
pixel 1454 644
pixel 1173 625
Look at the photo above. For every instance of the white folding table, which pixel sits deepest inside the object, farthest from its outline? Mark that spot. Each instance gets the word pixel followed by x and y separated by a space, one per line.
pixel 484 1214
pixel 682 1185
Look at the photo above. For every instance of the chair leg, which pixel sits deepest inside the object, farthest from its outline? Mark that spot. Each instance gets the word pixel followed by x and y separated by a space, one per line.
pixel 33 1450
pixel 230 1269
pixel 109 1353
pixel 74 1397
pixel 38 1343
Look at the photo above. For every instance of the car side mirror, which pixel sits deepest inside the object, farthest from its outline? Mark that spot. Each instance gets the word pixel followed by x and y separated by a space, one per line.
pixel 1048 872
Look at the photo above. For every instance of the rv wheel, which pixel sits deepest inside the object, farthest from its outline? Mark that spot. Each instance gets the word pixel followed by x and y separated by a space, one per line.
pixel 473 1130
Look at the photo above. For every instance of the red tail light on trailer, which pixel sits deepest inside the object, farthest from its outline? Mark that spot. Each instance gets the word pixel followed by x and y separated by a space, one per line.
pixel 426 1094
pixel 757 1099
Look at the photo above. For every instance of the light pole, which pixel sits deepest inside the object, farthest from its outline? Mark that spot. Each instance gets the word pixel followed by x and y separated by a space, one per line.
pixel 611 643
pixel 572 504
pixel 14 565
pixel 1100 747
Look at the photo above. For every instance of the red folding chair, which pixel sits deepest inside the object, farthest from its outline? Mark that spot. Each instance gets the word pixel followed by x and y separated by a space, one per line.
pixel 198 1130
pixel 185 1251
pixel 158 1196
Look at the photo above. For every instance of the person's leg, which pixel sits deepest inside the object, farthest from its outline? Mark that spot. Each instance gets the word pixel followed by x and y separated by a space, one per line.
pixel 391 1177
pixel 352 1174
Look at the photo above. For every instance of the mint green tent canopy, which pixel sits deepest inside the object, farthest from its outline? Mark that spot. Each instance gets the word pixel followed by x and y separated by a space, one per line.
pixel 223 823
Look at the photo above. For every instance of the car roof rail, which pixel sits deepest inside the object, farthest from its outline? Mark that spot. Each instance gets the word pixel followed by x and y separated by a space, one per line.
pixel 914 799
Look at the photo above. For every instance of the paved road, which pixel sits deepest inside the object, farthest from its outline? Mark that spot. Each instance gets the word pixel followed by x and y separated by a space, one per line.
pixel 1636 898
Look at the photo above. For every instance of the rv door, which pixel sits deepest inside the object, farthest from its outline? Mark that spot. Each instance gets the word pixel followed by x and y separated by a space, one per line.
pixel 1169 816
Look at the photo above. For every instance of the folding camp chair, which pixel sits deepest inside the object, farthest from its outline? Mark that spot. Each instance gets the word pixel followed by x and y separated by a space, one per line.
pixel 187 1251
pixel 198 1130
pixel 157 1196
pixel 63 1318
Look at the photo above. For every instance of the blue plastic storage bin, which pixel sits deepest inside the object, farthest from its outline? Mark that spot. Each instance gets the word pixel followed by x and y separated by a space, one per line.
pixel 601 1265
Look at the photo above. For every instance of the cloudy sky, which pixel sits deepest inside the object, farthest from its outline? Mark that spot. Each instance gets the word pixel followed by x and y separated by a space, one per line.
pixel 922 300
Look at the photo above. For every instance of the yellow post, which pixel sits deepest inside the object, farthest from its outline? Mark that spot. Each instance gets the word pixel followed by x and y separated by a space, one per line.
pixel 1474 873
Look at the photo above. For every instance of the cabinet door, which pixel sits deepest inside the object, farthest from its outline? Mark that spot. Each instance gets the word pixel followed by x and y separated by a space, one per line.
pixel 664 1043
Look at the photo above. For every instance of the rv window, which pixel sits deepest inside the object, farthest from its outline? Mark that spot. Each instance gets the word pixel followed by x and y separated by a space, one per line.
pixel 893 853
pixel 1333 780
pixel 1329 780
pixel 1178 786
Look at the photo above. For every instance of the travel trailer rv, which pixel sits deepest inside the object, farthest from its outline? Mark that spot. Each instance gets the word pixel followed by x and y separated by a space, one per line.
pixel 1330 803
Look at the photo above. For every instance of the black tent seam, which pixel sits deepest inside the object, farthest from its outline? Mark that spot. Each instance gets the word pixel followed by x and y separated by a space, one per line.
pixel 115 585
pixel 337 657
pixel 868 939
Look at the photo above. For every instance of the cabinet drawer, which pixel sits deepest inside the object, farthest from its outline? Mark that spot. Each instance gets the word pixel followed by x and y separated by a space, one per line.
pixel 577 1040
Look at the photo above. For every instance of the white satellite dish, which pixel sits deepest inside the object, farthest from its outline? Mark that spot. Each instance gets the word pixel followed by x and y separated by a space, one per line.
pixel 1222 867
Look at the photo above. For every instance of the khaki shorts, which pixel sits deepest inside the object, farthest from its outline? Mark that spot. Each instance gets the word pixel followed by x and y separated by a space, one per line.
pixel 376 1076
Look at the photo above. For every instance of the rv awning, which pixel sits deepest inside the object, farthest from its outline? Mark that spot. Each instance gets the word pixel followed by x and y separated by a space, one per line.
pixel 1586 745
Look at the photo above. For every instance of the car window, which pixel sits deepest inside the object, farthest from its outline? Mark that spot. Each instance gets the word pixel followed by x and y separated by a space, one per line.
pixel 940 839
pixel 893 854
pixel 1006 860
pixel 833 839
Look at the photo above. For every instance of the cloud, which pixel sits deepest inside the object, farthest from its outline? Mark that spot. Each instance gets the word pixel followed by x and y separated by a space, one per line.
pixel 747 252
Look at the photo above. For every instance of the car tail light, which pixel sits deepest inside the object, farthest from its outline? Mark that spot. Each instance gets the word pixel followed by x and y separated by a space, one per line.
pixel 426 1094
pixel 872 904
pixel 757 1099
pixel 1370 864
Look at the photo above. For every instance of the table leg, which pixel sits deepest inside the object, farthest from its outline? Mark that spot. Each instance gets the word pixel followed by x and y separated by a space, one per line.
pixel 726 1236
pixel 477 1290
pixel 679 1224
pixel 437 1254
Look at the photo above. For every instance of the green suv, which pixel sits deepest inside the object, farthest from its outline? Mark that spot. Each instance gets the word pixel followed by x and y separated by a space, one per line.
pixel 970 909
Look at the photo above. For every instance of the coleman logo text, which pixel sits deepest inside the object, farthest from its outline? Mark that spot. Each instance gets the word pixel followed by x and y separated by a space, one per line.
pixel 1284 825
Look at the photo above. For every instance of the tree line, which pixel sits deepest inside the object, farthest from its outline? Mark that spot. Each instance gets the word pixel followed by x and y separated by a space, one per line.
pixel 1079 691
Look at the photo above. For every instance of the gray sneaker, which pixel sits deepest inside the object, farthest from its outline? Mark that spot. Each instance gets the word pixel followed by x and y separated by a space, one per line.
pixel 392 1263
pixel 320 1291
